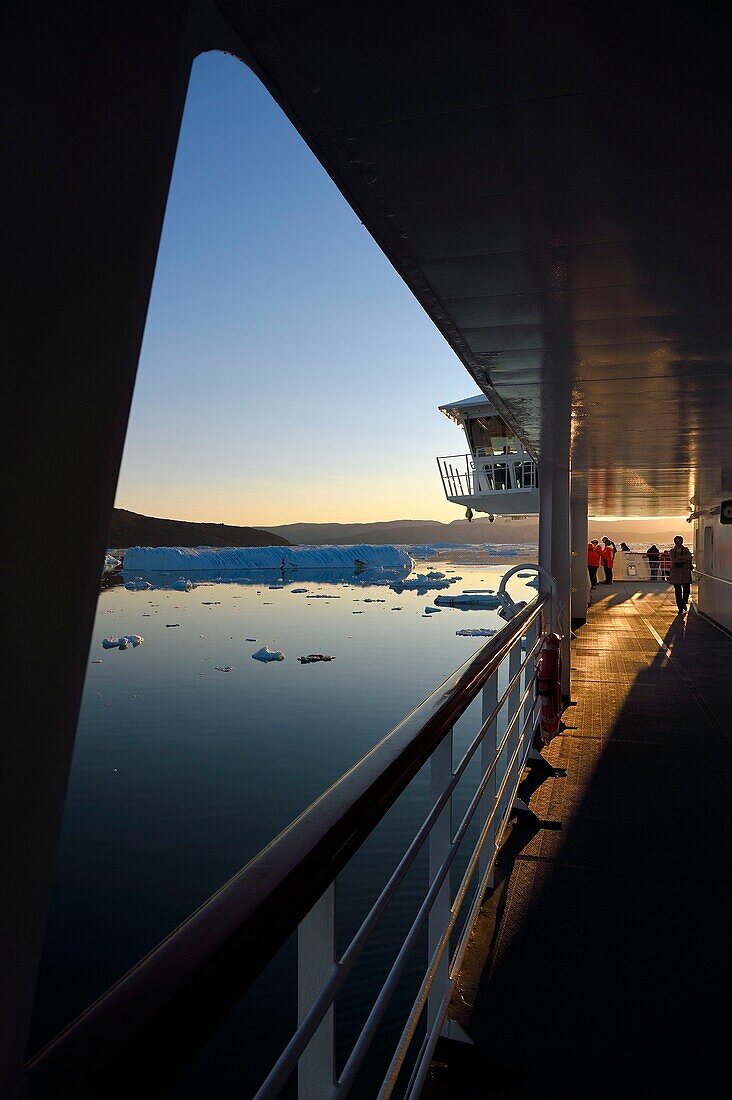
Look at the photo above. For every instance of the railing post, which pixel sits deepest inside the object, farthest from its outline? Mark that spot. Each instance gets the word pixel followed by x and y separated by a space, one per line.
pixel 487 755
pixel 439 846
pixel 514 664
pixel 315 960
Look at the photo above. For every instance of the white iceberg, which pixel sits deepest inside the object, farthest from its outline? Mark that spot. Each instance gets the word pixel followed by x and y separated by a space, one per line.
pixel 267 654
pixel 286 558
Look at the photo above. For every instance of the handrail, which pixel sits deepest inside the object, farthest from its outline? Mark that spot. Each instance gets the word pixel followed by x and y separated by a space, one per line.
pixel 166 1007
pixel 711 576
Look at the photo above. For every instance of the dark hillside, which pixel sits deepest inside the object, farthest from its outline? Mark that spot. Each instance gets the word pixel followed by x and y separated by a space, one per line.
pixel 130 529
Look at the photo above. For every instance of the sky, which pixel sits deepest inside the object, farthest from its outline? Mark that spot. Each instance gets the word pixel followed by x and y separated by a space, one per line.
pixel 287 373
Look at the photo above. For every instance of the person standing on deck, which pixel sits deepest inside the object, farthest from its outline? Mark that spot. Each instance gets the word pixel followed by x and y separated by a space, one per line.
pixel 608 557
pixel 594 557
pixel 654 558
pixel 665 564
pixel 680 572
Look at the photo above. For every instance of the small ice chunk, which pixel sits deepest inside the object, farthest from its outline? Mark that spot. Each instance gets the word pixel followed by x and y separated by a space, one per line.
pixel 225 668
pixel 357 612
pixel 432 610
pixel 312 657
pixel 297 591
pixel 183 585
pixel 476 632
pixel 267 654
pixel 137 585
pixel 125 641
pixel 250 639
pixel 172 624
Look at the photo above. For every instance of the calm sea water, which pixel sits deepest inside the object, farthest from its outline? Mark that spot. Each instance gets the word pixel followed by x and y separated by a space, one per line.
pixel 181 773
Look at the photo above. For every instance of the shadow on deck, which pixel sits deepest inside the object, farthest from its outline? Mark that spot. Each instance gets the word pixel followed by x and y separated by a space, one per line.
pixel 607 973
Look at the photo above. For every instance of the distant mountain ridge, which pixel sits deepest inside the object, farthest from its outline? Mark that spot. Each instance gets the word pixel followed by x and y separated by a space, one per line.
pixel 131 529
pixel 420 531
pixel 408 531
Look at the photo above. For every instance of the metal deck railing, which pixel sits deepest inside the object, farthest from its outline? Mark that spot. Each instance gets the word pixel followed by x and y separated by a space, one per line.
pixel 464 475
pixel 166 1008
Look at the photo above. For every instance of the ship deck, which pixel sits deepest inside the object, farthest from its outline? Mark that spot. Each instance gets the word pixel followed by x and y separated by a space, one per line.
pixel 605 948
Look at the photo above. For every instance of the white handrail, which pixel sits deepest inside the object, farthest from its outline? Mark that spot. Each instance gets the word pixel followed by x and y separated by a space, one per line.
pixel 512 739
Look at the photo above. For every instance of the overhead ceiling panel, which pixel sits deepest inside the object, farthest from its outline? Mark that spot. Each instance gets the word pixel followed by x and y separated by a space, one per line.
pixel 553 184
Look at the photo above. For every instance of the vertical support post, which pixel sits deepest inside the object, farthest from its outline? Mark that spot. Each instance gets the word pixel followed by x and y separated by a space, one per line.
pixel 487 755
pixel 554 525
pixel 579 526
pixel 97 98
pixel 439 847
pixel 315 961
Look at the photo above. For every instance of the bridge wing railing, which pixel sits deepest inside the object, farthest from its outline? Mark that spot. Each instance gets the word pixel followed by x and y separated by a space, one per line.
pixel 169 1004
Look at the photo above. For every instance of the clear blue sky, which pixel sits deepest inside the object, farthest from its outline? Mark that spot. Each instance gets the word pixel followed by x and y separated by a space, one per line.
pixel 287 373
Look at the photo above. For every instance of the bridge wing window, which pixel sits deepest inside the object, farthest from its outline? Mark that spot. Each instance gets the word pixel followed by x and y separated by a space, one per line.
pixel 488 435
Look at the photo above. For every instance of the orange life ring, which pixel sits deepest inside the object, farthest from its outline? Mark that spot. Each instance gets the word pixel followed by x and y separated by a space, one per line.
pixel 549 686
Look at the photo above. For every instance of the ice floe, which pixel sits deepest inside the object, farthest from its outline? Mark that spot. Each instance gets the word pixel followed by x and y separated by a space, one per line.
pixel 267 654
pixel 183 584
pixel 476 632
pixel 485 601
pixel 137 585
pixel 111 563
pixel 313 657
pixel 423 582
pixel 125 641
pixel 224 668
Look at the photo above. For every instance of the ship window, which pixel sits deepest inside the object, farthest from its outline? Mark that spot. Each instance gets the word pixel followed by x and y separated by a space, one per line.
pixel 489 435
pixel 708 565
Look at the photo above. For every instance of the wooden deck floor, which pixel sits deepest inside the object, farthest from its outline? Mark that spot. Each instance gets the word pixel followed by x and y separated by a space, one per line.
pixel 608 974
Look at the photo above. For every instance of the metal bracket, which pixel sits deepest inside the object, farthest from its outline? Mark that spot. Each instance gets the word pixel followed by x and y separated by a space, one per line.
pixel 452 1030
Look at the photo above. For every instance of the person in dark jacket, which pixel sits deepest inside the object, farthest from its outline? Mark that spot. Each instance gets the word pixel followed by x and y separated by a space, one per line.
pixel 654 560
pixel 679 574
pixel 624 546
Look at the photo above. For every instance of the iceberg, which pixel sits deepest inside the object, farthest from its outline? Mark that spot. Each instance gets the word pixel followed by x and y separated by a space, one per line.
pixel 267 654
pixel 467 600
pixel 476 632
pixel 125 641
pixel 187 560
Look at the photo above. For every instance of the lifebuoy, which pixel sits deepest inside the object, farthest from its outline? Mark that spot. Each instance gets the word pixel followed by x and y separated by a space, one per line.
pixel 549 686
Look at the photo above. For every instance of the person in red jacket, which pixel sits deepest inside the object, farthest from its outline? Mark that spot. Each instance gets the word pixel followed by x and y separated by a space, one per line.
pixel 594 557
pixel 608 557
